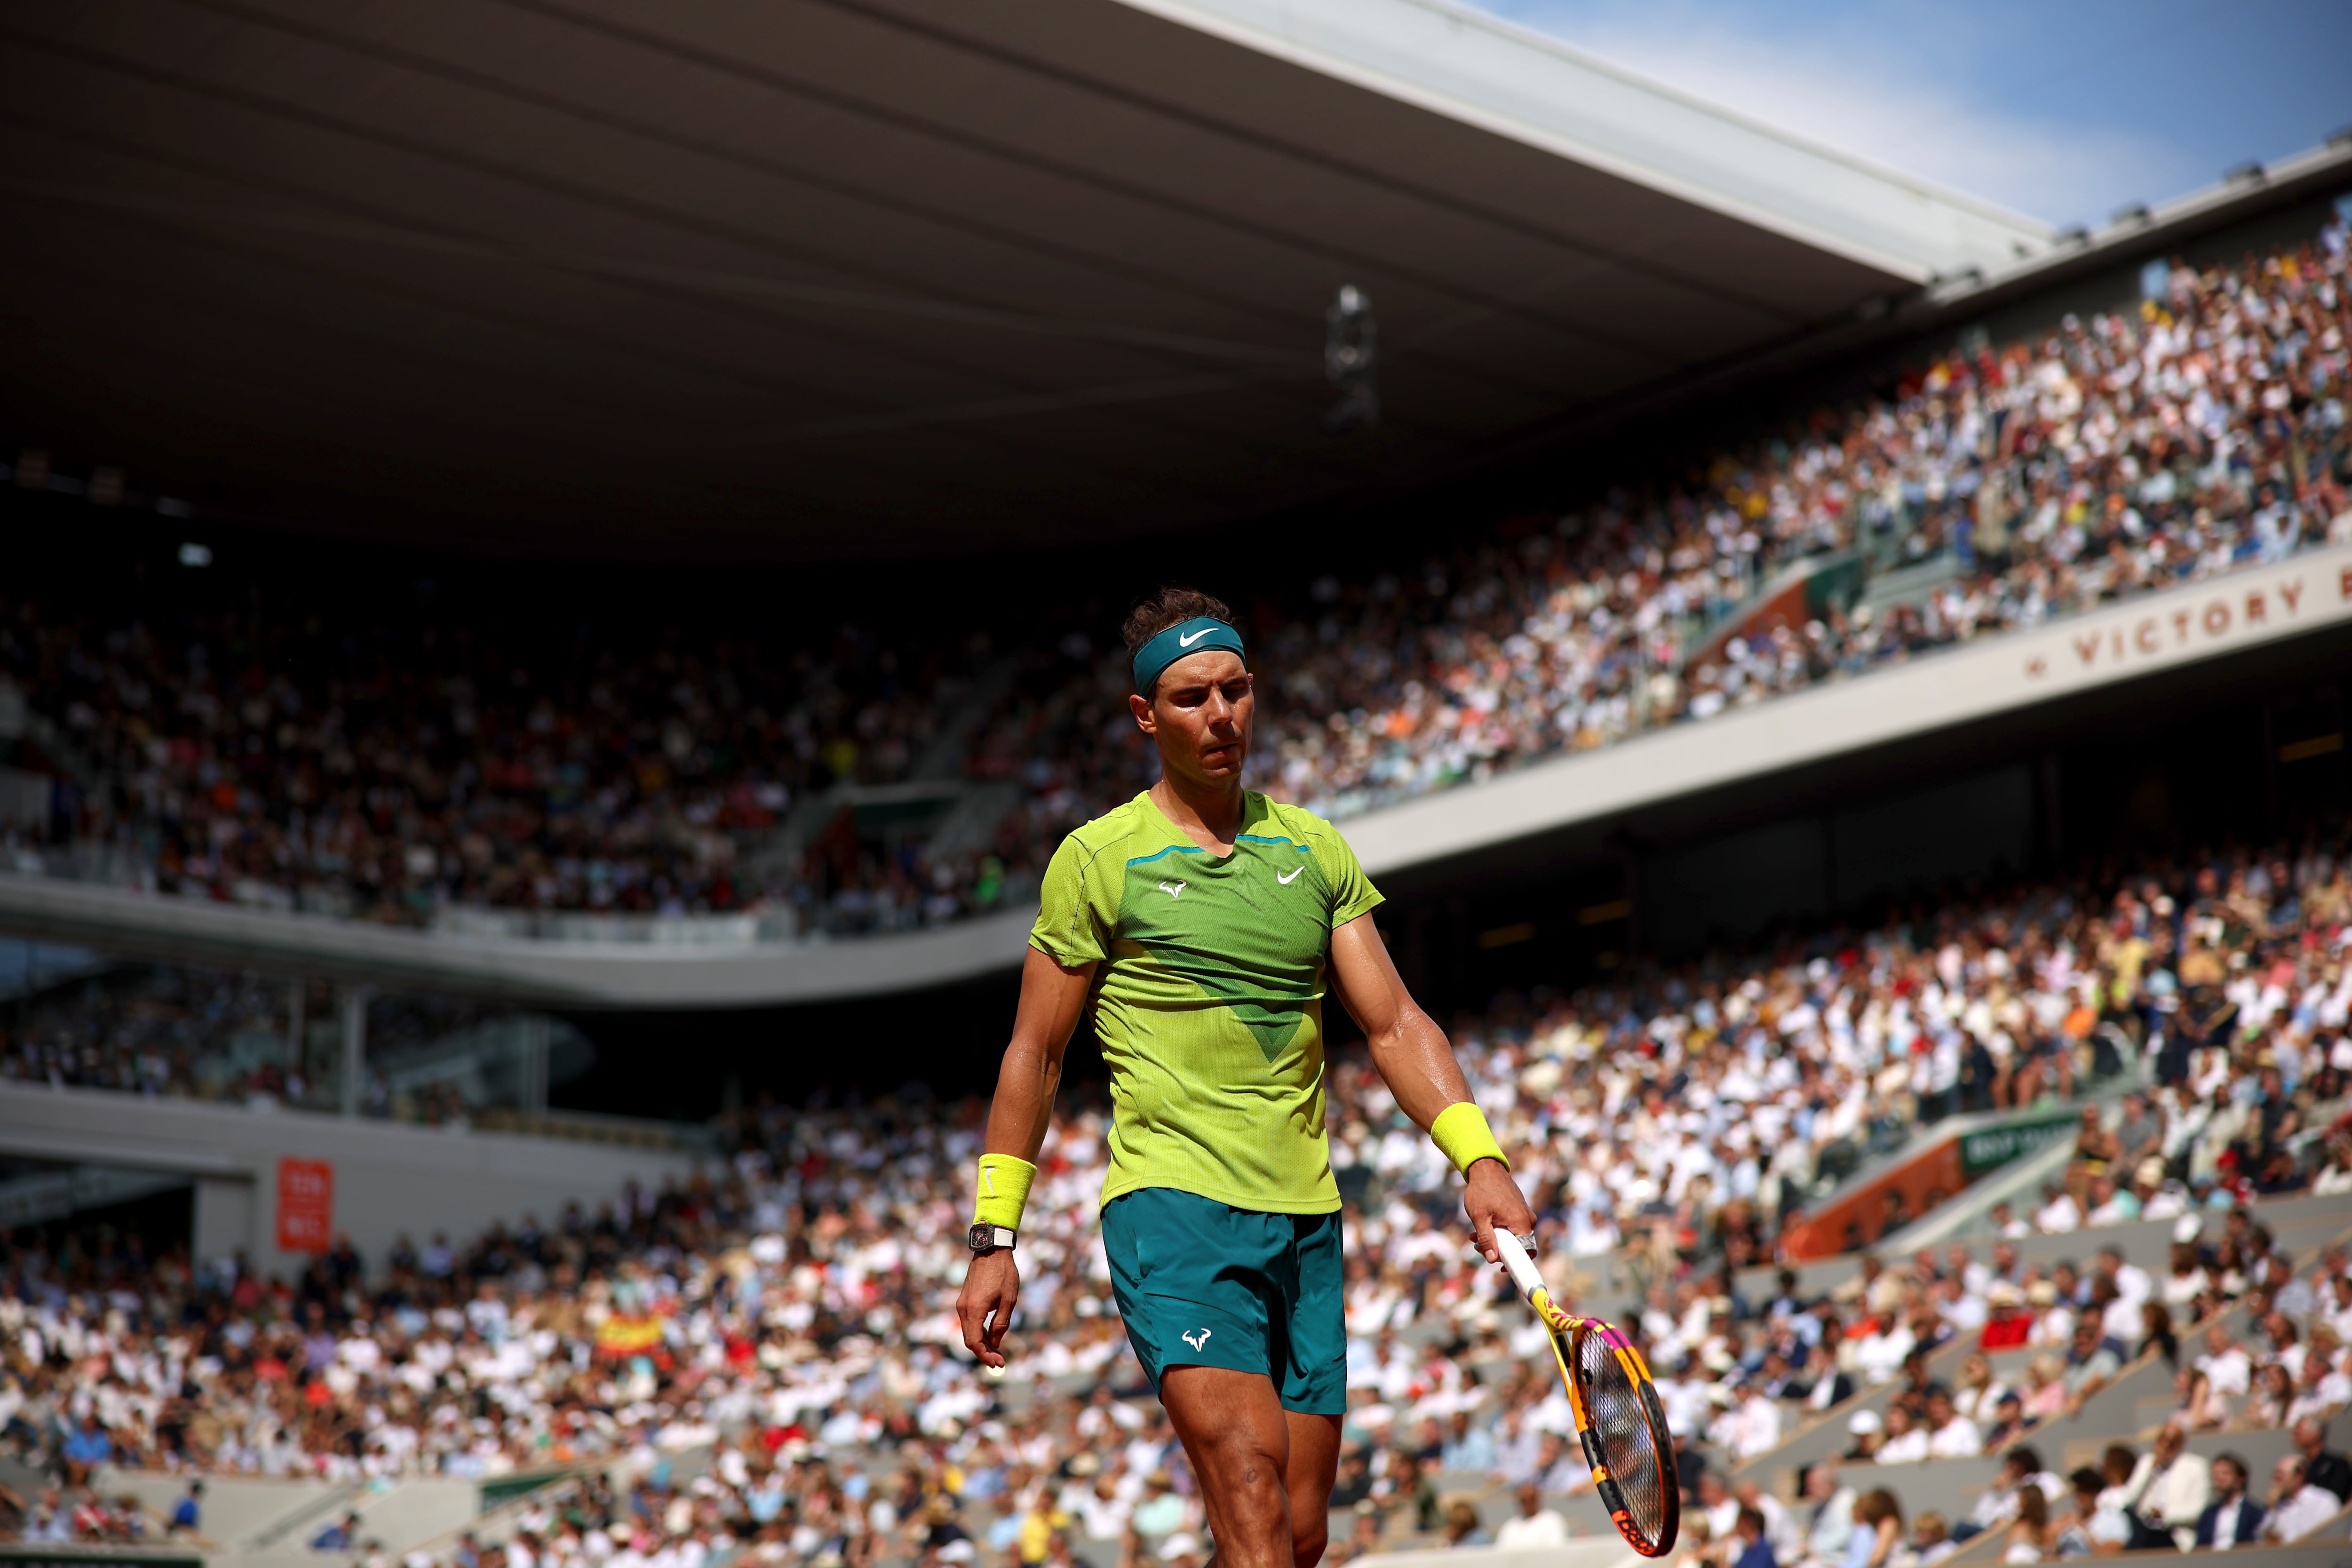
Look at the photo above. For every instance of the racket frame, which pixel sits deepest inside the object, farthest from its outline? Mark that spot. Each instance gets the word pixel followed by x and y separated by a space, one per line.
pixel 1568 1333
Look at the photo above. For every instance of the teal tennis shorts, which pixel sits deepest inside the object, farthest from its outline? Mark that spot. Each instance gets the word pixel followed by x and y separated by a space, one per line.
pixel 1203 1284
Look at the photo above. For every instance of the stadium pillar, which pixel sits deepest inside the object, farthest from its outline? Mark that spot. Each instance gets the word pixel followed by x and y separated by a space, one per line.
pixel 223 1224
pixel 352 1078
pixel 530 1090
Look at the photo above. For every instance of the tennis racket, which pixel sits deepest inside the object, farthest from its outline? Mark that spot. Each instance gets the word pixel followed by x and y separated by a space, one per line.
pixel 1618 1417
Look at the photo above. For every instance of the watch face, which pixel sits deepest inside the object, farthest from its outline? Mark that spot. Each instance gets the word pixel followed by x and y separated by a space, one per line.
pixel 982 1238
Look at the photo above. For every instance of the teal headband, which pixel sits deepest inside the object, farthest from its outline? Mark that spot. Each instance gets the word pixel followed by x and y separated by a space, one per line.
pixel 1196 636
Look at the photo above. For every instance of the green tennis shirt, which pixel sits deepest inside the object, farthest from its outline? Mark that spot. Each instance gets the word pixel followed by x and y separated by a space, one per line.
pixel 1208 997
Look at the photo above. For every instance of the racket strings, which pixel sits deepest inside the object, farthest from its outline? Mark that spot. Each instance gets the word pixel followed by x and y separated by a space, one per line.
pixel 1629 1445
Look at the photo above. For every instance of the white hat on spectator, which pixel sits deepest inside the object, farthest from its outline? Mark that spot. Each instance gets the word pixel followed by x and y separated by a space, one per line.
pixel 1863 1423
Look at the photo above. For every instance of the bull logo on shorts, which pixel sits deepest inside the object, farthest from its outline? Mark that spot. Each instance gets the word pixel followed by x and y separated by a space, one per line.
pixel 1196 1344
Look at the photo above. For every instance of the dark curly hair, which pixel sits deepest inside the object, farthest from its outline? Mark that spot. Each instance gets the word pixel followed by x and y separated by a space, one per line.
pixel 1165 607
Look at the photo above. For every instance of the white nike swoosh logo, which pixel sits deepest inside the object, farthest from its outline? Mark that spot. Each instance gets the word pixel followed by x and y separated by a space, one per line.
pixel 1285 882
pixel 1184 641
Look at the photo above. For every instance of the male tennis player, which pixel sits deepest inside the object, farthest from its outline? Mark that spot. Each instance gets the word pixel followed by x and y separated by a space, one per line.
pixel 1200 920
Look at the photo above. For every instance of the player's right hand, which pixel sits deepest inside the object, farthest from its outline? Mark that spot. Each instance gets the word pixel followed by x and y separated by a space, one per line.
pixel 984 1306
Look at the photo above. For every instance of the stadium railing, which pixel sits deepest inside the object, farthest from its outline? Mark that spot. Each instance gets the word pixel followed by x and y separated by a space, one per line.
pixel 1587 1550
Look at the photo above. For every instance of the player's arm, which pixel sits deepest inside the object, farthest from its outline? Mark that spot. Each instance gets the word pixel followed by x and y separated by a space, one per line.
pixel 1053 995
pixel 1417 1063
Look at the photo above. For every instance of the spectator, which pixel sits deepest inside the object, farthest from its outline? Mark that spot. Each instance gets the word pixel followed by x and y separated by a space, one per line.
pixel 246 759
pixel 2231 1519
pixel 2059 1212
pixel 187 1515
pixel 2297 1507
pixel 1469 1448
pixel 1931 1541
pixel 1868 1430
pixel 2007 1323
pixel 2045 1394
pixel 2088 1528
pixel 2178 1485
pixel 1161 1512
pixel 1716 1506
pixel 2321 1466
pixel 2224 1376
pixel 1462 1526
pixel 1752 1550
pixel 1950 1434
pixel 2156 1336
pixel 85 1448
pixel 2092 1363
pixel 1534 1525
pixel 1905 1441
pixel 340 1536
pixel 2031 1537
pixel 2010 1422
pixel 1878 1530
pixel 1752 1425
pixel 1976 1393
pixel 1830 1524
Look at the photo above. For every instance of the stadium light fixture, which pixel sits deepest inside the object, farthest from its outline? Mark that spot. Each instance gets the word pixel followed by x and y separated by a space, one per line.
pixel 1351 356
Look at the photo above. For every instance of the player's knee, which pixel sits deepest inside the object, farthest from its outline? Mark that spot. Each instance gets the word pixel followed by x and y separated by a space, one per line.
pixel 1249 1469
pixel 1307 1542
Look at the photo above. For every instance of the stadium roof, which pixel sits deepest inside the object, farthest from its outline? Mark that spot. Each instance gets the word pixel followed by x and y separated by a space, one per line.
pixel 853 278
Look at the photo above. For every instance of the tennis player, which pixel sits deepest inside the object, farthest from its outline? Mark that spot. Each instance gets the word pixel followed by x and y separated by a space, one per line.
pixel 1202 922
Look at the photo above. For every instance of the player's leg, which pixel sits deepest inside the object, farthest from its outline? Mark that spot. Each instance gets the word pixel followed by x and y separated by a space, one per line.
pixel 1314 1465
pixel 1237 1436
pixel 1313 1336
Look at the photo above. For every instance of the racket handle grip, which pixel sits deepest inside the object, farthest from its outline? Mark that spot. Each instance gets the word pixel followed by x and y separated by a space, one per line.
pixel 1516 1259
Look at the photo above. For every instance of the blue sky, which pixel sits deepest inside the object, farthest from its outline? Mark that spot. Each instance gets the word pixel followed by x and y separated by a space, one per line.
pixel 2064 109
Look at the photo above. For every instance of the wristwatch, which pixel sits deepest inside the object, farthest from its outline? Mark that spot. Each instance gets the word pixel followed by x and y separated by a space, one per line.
pixel 985 1238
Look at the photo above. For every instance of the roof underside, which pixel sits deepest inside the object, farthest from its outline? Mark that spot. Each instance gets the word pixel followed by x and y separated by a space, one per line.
pixel 825 278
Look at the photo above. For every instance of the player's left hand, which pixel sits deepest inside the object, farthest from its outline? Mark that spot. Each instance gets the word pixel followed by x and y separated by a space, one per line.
pixel 1491 1198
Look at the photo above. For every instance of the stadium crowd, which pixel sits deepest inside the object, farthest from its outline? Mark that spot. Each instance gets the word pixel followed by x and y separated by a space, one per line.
pixel 399 773
pixel 766 1361
pixel 2114 454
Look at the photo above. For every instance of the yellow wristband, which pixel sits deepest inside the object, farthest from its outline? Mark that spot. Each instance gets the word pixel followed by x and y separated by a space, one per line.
pixel 1003 1188
pixel 1461 1133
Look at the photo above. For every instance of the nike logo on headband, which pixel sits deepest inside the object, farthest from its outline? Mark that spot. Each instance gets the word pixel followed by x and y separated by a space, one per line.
pixel 1184 641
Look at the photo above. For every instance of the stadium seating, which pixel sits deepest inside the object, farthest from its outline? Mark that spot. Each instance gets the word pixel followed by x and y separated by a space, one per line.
pixel 2000 489
pixel 425 774
pixel 782 1335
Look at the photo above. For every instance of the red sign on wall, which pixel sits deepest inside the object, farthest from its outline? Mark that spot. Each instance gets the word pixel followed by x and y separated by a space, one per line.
pixel 306 1205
